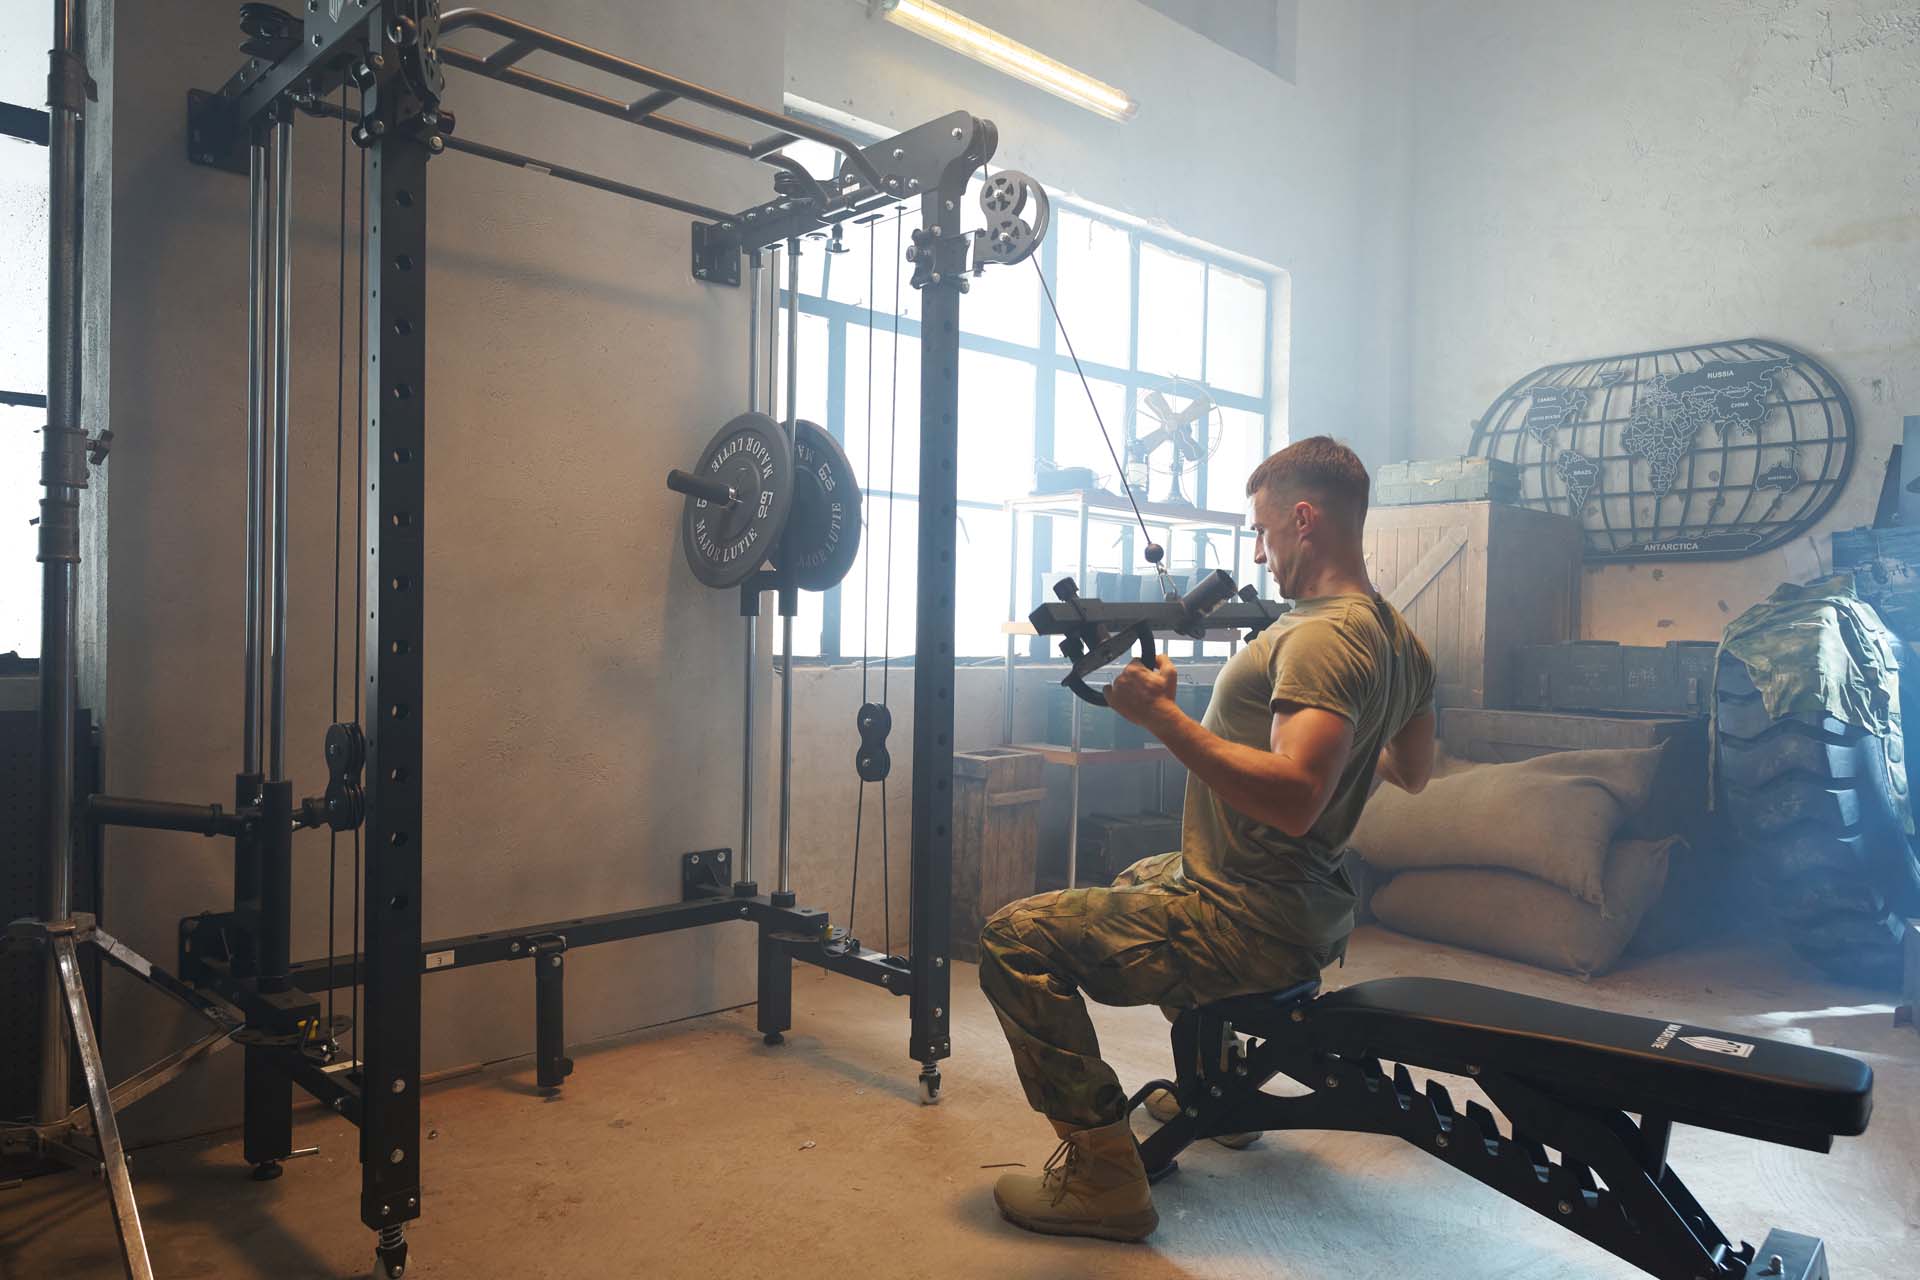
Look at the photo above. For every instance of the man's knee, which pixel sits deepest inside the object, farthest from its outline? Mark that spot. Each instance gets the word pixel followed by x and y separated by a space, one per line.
pixel 998 940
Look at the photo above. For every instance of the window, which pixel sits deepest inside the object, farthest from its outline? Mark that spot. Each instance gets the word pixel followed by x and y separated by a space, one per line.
pixel 1147 316
pixel 26 31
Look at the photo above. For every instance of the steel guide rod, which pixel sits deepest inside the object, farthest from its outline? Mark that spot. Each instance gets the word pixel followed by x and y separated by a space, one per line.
pixel 786 615
pixel 257 235
pixel 743 867
pixel 282 296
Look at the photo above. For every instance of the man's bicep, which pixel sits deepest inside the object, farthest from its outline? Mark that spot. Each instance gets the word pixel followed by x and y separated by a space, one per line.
pixel 1318 742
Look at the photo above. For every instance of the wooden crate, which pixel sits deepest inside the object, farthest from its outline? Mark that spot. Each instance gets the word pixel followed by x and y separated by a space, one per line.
pixel 1477 580
pixel 997 793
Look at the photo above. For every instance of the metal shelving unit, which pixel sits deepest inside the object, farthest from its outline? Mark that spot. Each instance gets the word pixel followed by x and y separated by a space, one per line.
pixel 1086 508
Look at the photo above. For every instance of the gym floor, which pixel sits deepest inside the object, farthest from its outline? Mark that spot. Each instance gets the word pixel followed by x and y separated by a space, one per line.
pixel 691 1150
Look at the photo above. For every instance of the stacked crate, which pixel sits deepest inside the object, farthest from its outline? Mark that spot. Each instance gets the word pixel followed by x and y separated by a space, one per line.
pixel 1600 675
pixel 1462 479
pixel 997 794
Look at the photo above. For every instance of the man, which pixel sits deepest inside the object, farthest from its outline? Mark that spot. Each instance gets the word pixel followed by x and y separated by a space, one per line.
pixel 1304 721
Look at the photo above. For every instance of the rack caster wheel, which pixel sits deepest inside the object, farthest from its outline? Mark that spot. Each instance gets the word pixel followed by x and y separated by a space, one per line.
pixel 390 1255
pixel 773 1037
pixel 929 1088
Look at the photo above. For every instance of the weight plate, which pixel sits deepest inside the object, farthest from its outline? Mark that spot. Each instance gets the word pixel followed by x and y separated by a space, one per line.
pixel 823 534
pixel 724 545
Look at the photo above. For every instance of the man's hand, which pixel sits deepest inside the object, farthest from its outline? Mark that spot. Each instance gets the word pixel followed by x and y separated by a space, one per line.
pixel 1145 696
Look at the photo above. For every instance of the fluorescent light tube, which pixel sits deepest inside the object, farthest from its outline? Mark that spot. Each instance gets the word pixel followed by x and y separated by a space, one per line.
pixel 985 45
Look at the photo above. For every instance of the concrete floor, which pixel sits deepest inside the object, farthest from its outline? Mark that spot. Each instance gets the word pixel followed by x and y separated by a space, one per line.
pixel 693 1151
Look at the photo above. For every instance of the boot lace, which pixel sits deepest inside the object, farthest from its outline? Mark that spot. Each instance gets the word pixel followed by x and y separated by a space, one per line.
pixel 1060 1169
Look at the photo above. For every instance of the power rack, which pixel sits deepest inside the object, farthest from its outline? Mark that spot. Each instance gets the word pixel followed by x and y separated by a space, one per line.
pixel 235 963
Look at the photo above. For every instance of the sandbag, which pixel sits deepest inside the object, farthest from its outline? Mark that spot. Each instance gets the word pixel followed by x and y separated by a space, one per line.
pixel 1526 919
pixel 1552 817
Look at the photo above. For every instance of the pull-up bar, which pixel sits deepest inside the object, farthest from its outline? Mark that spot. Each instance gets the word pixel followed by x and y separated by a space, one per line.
pixel 523 39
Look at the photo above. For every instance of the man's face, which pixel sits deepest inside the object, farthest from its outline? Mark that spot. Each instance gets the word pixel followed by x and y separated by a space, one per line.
pixel 1278 544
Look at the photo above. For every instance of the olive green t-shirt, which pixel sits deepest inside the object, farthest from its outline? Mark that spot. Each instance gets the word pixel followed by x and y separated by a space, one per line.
pixel 1352 655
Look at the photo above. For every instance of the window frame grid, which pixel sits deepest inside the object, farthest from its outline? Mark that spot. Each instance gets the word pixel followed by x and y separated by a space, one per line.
pixel 1049 360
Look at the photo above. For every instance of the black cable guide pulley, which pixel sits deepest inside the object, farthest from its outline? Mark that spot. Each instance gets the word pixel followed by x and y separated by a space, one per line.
pixel 739 499
pixel 873 762
pixel 823 534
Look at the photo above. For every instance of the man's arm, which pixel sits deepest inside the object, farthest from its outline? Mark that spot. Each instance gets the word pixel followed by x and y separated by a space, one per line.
pixel 1407 759
pixel 1287 787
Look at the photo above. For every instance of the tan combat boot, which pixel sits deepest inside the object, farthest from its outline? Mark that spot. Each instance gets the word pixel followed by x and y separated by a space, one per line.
pixel 1094 1185
pixel 1164 1107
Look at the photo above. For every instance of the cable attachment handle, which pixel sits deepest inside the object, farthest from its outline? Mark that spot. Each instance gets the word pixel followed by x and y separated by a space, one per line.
pixel 1091 647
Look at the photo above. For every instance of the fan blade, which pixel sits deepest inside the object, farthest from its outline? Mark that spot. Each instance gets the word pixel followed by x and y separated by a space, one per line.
pixel 1157 405
pixel 1146 444
pixel 1194 412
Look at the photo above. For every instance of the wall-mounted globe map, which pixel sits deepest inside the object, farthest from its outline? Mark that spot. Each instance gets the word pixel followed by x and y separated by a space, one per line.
pixel 1705 452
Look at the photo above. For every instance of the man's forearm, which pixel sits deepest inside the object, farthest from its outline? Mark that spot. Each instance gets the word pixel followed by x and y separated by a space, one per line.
pixel 1384 771
pixel 1264 785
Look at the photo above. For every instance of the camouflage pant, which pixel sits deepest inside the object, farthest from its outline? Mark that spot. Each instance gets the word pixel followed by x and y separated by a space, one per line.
pixel 1150 939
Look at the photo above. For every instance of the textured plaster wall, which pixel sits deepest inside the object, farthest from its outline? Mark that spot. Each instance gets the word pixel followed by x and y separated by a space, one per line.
pixel 1599 179
pixel 576 710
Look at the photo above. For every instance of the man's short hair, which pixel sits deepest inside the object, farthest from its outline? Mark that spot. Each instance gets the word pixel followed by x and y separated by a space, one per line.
pixel 1321 468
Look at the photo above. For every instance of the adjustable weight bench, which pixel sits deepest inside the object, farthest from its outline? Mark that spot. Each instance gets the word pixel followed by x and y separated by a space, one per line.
pixel 1565 1078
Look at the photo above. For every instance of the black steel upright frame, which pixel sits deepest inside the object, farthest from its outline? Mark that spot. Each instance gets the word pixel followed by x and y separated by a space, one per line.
pixel 392 51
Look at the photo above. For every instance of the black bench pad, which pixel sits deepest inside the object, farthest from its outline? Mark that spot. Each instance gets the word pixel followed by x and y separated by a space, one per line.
pixel 1734 1083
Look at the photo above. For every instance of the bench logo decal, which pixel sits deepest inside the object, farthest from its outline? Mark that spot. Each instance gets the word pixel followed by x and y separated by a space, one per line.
pixel 1708 1044
pixel 1714 1044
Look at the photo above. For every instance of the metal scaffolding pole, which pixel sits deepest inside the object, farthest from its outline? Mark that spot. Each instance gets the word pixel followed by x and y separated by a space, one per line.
pixel 64 475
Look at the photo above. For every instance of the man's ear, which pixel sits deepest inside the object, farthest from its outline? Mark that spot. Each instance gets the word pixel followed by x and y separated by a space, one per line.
pixel 1304 517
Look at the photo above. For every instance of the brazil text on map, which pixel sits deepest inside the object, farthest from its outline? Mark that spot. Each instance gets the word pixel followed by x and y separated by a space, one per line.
pixel 1579 474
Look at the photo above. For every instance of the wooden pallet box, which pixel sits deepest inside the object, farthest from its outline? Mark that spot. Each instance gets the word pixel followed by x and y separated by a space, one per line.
pixel 1886 573
pixel 997 793
pixel 1478 581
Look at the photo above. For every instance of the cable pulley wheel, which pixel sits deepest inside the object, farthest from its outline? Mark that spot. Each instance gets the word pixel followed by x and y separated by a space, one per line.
pixel 1017 212
pixel 727 540
pixel 823 533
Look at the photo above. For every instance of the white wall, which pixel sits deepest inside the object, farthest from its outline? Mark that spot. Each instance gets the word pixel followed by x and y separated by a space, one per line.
pixel 1591 179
